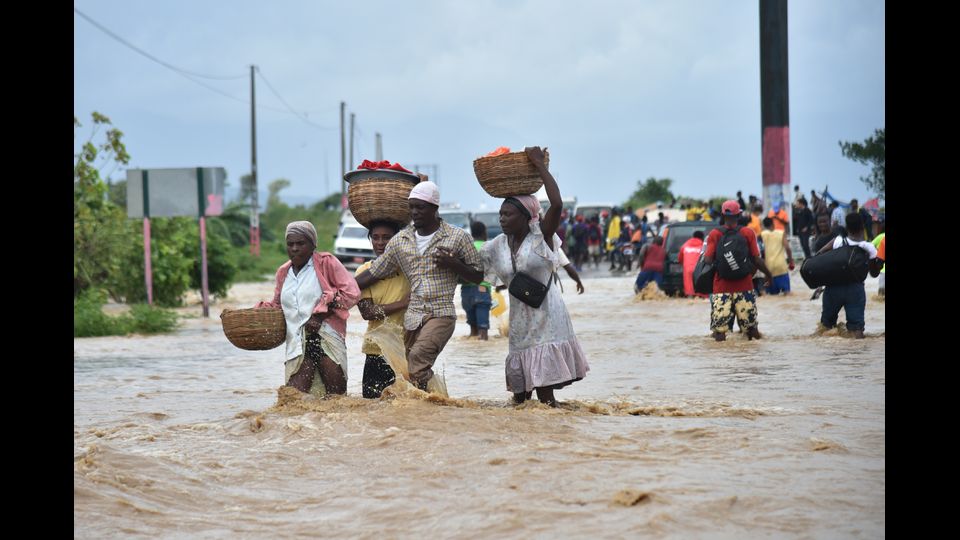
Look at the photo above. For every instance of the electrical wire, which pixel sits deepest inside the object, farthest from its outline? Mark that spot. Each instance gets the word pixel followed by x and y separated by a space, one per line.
pixel 287 105
pixel 150 56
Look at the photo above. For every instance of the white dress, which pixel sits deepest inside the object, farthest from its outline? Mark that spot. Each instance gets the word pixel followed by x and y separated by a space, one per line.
pixel 544 350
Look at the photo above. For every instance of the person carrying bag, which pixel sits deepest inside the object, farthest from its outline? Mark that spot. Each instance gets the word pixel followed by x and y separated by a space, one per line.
pixel 525 288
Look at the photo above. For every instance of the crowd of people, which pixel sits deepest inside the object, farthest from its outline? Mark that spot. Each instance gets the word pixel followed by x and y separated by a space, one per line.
pixel 412 281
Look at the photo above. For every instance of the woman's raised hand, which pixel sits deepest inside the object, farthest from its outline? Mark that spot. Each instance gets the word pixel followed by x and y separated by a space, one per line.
pixel 535 154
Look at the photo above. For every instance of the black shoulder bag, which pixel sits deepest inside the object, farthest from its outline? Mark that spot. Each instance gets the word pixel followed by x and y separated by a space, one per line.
pixel 703 274
pixel 524 287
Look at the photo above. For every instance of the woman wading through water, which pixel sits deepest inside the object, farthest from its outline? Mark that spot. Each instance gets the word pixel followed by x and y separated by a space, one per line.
pixel 545 354
pixel 315 292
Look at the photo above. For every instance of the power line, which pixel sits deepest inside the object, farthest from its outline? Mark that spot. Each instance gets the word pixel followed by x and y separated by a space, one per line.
pixel 148 55
pixel 188 74
pixel 287 105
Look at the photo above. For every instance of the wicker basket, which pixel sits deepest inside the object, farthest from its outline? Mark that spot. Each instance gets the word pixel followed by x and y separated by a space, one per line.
pixel 254 329
pixel 380 195
pixel 509 174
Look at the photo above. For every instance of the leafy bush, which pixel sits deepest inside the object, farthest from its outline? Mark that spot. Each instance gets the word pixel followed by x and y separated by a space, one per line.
pixel 146 319
pixel 89 320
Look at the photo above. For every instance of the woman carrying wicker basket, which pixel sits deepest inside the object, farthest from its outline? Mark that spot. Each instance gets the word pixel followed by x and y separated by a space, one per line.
pixel 315 292
pixel 545 354
pixel 385 300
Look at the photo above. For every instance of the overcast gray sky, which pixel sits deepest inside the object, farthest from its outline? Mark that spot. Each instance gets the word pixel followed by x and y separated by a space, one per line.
pixel 618 90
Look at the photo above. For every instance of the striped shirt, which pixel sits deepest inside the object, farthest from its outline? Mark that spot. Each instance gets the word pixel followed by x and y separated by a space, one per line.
pixel 431 287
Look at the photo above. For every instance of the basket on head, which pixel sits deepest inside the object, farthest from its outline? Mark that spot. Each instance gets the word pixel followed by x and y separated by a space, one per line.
pixel 254 329
pixel 509 174
pixel 379 194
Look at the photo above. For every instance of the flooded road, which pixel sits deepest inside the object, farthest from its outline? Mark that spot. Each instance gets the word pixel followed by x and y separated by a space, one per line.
pixel 670 434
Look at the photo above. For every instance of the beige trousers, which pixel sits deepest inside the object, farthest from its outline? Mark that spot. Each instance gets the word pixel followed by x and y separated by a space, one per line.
pixel 424 345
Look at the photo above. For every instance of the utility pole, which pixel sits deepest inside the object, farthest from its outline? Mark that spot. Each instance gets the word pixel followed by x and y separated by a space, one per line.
pixel 775 107
pixel 379 152
pixel 353 117
pixel 254 207
pixel 343 157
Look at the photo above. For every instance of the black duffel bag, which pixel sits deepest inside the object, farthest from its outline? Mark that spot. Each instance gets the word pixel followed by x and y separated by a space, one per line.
pixel 840 266
pixel 703 274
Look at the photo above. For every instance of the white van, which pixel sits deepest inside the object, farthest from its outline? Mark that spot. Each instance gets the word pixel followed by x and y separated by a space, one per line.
pixel 351 245
pixel 589 209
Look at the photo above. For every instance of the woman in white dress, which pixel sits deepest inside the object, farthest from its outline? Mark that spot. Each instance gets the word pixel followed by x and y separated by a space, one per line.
pixel 545 354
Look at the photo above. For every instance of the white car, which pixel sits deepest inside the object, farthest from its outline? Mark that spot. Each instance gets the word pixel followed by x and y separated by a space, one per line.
pixel 352 245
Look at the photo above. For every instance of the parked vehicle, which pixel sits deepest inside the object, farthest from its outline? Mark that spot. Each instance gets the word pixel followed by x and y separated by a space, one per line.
pixel 351 245
pixel 674 236
pixel 588 210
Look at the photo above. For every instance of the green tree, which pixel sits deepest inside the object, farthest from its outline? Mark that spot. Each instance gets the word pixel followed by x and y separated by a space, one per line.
pixel 274 189
pixel 117 193
pixel 872 152
pixel 650 191
pixel 99 226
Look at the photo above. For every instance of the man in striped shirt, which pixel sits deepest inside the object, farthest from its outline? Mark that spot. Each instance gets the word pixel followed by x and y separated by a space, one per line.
pixel 432 255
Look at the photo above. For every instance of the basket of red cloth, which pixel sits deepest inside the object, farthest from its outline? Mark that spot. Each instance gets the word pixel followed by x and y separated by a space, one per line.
pixel 378 191
pixel 503 173
pixel 254 329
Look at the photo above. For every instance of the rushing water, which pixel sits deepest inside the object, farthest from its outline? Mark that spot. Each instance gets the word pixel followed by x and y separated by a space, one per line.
pixel 670 435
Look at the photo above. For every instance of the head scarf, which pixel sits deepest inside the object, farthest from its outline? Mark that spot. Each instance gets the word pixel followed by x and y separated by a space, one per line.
pixel 529 204
pixel 302 227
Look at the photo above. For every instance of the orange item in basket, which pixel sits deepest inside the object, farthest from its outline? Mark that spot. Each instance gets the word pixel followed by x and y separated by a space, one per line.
pixel 499 152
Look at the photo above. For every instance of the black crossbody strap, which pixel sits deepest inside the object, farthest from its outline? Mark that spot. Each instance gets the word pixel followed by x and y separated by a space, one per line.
pixel 513 261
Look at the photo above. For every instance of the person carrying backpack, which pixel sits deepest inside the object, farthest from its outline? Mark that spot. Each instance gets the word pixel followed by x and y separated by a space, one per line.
pixel 851 297
pixel 737 256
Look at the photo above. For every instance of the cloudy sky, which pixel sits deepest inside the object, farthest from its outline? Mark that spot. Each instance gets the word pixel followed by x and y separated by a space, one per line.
pixel 618 90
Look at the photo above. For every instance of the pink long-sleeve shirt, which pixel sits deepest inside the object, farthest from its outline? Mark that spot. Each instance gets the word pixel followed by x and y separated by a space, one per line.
pixel 337 284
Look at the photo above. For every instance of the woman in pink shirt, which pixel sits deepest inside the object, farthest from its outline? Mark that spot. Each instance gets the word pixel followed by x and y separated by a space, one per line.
pixel 315 292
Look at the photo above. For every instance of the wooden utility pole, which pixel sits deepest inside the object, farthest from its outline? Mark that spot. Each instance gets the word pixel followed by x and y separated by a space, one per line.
pixel 254 206
pixel 379 152
pixel 343 157
pixel 353 118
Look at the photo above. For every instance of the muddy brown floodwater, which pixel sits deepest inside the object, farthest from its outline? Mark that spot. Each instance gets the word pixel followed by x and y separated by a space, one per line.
pixel 670 435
